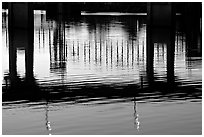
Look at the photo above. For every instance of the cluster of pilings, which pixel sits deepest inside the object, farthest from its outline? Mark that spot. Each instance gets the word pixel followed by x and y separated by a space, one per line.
pixel 160 29
pixel 161 19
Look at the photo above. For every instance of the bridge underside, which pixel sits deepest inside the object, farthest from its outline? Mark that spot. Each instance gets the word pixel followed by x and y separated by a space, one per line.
pixel 134 7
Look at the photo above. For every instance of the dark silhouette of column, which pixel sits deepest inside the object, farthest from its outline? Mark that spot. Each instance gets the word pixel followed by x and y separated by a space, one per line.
pixel 192 20
pixel 122 53
pixel 111 52
pixel 170 55
pixel 127 53
pixel 117 53
pixel 149 46
pixel 29 49
pixel 84 52
pixel 66 9
pixel 59 49
pixel 12 58
pixel 95 50
pixel 160 29
pixel 106 53
pixel 164 36
pixel 89 52
pixel 21 31
pixel 20 15
pixel 132 53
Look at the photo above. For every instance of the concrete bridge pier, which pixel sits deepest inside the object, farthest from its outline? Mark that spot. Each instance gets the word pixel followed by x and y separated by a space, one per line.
pixel 66 9
pixel 192 19
pixel 20 20
pixel 160 29
pixel 29 60
pixel 21 38
pixel 21 34
pixel 12 62
pixel 171 57
pixel 20 15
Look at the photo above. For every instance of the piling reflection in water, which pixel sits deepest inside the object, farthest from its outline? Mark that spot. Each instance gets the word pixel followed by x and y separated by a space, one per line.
pixel 58 48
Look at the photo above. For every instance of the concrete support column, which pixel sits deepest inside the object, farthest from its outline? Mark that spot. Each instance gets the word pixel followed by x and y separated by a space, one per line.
pixel 170 57
pixel 160 14
pixel 29 49
pixel 150 55
pixel 20 15
pixel 21 34
pixel 192 20
pixel 160 29
pixel 12 61
pixel 67 9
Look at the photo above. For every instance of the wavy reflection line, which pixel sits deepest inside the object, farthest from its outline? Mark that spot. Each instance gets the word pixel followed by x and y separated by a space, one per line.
pixel 47 122
pixel 136 116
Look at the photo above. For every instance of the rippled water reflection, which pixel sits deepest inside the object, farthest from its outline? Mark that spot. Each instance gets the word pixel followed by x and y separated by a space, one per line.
pixel 90 78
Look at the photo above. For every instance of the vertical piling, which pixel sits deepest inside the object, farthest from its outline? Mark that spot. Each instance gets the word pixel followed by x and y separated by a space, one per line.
pixel 21 28
pixel 160 29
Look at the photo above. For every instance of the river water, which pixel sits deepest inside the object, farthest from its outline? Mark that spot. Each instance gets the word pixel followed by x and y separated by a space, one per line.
pixel 90 78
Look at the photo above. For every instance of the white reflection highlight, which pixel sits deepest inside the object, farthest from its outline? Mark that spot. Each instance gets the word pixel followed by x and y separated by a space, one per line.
pixel 48 123
pixel 136 116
